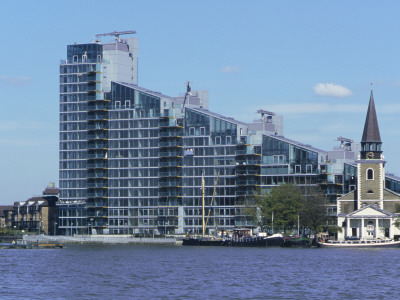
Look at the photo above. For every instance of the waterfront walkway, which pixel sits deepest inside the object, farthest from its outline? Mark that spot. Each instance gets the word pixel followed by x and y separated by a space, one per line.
pixel 100 239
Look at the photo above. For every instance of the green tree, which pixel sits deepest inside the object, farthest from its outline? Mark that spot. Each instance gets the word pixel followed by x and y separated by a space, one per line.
pixel 313 212
pixel 278 208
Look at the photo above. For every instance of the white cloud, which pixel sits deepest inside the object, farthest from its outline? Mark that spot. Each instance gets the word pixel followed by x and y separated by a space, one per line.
pixel 230 69
pixel 331 90
pixel 18 81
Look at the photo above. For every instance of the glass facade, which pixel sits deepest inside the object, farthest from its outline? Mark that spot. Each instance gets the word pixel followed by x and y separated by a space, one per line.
pixel 132 160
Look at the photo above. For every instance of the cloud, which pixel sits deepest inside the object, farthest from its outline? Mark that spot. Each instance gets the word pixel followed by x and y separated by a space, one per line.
pixel 17 81
pixel 331 90
pixel 230 69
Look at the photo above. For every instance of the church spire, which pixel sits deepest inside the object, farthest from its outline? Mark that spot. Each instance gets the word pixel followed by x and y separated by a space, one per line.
pixel 371 128
pixel 371 144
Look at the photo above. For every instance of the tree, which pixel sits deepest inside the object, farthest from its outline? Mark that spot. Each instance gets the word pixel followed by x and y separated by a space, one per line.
pixel 278 208
pixel 313 211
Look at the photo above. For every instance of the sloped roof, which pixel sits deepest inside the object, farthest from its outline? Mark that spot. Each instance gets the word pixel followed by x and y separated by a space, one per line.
pixel 4 208
pixel 371 128
pixel 370 211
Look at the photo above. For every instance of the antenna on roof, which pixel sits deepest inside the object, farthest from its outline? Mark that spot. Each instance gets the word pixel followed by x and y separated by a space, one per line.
pixel 187 94
pixel 116 34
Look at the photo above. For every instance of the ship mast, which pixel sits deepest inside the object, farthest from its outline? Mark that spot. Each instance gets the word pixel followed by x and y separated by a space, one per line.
pixel 202 202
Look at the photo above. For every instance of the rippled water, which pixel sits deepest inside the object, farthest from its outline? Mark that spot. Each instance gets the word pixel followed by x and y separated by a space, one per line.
pixel 148 272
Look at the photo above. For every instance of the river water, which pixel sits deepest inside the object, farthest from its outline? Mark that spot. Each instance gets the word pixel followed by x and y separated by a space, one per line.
pixel 176 272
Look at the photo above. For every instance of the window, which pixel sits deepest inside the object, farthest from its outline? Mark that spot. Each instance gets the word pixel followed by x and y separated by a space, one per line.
pixel 308 169
pixel 191 131
pixel 75 58
pixel 297 169
pixel 228 140
pixel 98 58
pixel 127 103
pixel 117 104
pixel 218 140
pixel 370 192
pixel 370 174
pixel 202 131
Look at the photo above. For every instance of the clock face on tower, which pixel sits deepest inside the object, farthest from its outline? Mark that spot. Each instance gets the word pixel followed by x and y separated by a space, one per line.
pixel 370 155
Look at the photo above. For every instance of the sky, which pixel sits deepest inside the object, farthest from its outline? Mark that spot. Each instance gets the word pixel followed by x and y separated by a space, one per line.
pixel 310 61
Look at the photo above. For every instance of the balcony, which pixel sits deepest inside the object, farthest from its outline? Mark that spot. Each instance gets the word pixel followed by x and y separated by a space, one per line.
pixel 170 164
pixel 170 153
pixel 170 183
pixel 100 165
pixel 171 144
pixel 171 134
pixel 170 174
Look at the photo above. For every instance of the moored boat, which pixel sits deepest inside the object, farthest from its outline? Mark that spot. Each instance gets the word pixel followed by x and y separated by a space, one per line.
pixel 296 241
pixel 251 241
pixel 360 244
pixel 274 240
pixel 203 241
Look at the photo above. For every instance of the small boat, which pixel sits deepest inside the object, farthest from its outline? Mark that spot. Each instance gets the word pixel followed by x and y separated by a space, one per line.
pixel 296 241
pixel 20 244
pixel 360 244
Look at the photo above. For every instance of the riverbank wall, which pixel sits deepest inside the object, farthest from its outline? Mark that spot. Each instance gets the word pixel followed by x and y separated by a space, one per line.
pixel 100 239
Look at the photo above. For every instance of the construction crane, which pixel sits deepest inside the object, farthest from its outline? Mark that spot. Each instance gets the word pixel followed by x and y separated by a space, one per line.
pixel 187 94
pixel 116 34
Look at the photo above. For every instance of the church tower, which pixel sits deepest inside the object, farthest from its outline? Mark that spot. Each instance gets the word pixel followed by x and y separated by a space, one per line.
pixel 371 165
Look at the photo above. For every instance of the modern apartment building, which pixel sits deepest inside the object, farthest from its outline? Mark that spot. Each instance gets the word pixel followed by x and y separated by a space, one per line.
pixel 132 160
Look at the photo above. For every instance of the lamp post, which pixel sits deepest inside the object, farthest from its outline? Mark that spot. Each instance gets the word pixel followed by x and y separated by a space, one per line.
pixel 55 227
pixel 91 223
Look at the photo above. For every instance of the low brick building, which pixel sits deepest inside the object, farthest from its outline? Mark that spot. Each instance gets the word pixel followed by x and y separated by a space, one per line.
pixel 6 215
pixel 37 214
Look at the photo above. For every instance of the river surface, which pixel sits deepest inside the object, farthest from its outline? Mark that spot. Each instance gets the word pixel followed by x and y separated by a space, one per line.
pixel 176 272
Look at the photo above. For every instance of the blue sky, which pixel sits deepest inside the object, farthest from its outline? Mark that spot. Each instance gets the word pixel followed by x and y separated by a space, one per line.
pixel 310 61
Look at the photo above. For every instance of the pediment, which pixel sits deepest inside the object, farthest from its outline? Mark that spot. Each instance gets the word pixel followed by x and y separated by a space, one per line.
pixel 370 210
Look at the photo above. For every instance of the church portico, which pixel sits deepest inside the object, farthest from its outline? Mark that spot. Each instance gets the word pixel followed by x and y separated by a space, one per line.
pixel 369 222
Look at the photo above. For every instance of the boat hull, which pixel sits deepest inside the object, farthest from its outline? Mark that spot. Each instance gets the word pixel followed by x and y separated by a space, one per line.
pixel 202 242
pixel 297 242
pixel 274 242
pixel 360 244
pixel 247 242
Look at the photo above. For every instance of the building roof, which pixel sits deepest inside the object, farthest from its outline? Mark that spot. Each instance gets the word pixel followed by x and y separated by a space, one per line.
pixel 370 211
pixel 371 128
pixel 144 90
pixel 3 208
pixel 295 143
pixel 213 114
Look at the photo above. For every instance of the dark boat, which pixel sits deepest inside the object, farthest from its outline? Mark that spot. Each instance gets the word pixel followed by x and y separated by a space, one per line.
pixel 203 241
pixel 296 242
pixel 274 240
pixel 253 241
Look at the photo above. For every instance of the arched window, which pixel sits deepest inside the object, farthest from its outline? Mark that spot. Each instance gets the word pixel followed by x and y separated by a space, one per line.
pixel 370 174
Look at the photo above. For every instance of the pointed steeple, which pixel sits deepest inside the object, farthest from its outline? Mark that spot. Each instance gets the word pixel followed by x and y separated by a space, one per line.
pixel 371 128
